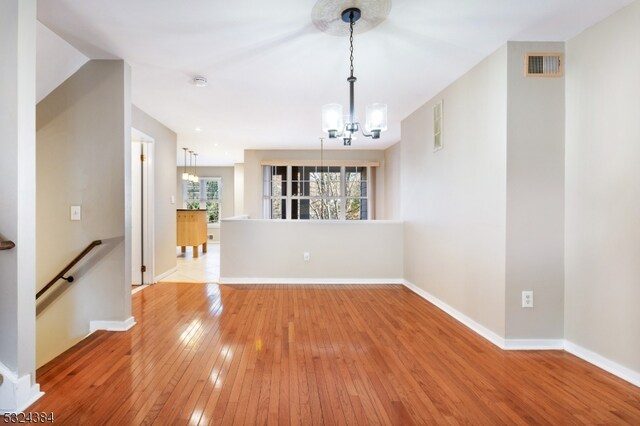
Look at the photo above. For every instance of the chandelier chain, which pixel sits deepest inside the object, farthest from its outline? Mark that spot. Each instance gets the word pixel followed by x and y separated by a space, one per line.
pixel 352 23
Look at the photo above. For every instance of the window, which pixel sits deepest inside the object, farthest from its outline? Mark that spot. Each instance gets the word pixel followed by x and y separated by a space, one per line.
pixel 316 193
pixel 205 194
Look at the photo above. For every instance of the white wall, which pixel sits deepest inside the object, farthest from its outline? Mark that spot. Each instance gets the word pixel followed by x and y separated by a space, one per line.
pixel 83 158
pixel 238 189
pixel 17 205
pixel 535 198
pixel 164 147
pixel 392 182
pixel 340 251
pixel 57 60
pixel 253 172
pixel 602 228
pixel 454 200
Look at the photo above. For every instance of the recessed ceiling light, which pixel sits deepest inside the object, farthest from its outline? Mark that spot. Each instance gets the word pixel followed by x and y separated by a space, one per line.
pixel 216 144
pixel 200 81
pixel 198 129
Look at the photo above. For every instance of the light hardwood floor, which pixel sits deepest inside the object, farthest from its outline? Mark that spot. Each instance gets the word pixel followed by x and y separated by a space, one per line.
pixel 265 354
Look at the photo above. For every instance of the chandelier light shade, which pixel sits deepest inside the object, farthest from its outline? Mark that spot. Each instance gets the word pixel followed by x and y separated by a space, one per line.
pixel 185 174
pixel 332 118
pixel 376 119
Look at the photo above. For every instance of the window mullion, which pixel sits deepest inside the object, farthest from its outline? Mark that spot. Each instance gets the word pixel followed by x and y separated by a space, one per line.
pixel 343 193
pixel 289 177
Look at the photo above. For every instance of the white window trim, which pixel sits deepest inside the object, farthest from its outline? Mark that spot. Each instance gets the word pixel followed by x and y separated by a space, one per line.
pixel 343 198
pixel 185 194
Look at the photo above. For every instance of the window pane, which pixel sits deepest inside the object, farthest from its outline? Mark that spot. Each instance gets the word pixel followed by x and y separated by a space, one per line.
pixel 316 209
pixel 278 208
pixel 213 211
pixel 355 181
pixel 325 209
pixel 356 209
pixel 328 192
pixel 212 188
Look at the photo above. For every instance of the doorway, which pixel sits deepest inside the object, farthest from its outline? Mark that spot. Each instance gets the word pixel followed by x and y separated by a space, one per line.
pixel 142 209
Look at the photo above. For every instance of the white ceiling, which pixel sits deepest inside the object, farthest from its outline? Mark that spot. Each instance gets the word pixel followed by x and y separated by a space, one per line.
pixel 270 70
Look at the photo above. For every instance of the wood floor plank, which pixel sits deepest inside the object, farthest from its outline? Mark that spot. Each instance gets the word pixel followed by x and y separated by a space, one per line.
pixel 321 355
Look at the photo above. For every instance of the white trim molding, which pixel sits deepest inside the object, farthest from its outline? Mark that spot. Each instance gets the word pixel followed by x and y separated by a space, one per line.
pixel 336 281
pixel 16 393
pixel 165 274
pixel 499 341
pixel 533 344
pixel 473 325
pixel 112 325
pixel 606 364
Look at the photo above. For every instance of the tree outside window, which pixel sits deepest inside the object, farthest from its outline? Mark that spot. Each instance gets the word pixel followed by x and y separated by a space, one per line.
pixel 204 194
pixel 317 192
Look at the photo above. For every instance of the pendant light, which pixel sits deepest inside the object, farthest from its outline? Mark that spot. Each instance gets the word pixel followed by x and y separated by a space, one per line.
pixel 332 118
pixel 196 179
pixel 185 175
pixel 190 178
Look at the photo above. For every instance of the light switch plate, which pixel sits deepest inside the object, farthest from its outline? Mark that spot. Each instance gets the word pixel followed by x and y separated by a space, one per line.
pixel 76 213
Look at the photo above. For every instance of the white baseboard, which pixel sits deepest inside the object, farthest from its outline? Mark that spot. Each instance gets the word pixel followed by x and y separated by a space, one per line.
pixel 533 344
pixel 499 341
pixel 16 393
pixel 139 288
pixel 336 281
pixel 112 325
pixel 606 364
pixel 473 325
pixel 165 274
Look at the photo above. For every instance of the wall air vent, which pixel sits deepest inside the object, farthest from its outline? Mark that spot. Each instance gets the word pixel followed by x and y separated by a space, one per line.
pixel 543 65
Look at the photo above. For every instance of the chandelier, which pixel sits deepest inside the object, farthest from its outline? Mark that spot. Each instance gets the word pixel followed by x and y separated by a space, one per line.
pixel 332 118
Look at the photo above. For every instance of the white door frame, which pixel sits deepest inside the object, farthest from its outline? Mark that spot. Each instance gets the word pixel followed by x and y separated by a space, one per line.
pixel 139 139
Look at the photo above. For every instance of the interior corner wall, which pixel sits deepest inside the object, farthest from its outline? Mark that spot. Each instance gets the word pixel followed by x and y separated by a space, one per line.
pixel 83 153
pixel 253 202
pixel 602 201
pixel 454 199
pixel 164 144
pixel 17 192
pixel 392 183
pixel 535 197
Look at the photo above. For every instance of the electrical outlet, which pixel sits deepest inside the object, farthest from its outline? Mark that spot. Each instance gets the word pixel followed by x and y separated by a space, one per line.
pixel 527 299
pixel 306 256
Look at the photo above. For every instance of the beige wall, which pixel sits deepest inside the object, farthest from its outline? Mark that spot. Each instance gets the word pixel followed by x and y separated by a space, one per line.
pixel 602 228
pixel 83 155
pixel 164 145
pixel 392 183
pixel 253 172
pixel 454 200
pixel 17 195
pixel 238 189
pixel 535 198
pixel 272 251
